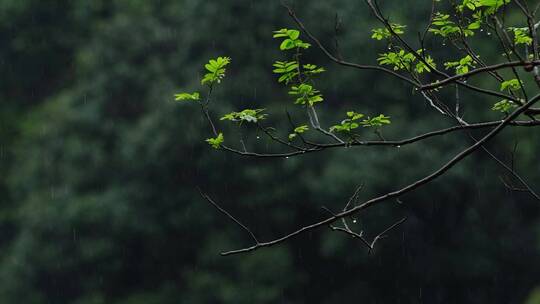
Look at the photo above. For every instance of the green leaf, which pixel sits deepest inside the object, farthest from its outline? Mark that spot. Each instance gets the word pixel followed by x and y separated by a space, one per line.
pixel 210 67
pixel 247 115
pixel 298 130
pixel 312 69
pixel 301 129
pixel 377 121
pixel 503 106
pixel 511 85
pixel 474 25
pixel 462 66
pixel 354 116
pixel 287 44
pixel 288 69
pixel 216 67
pixel 443 26
pixel 306 94
pixel 216 141
pixel 186 96
pixel 521 35
pixel 280 33
pixel 400 60
pixel 349 124
pixel 384 33
pixel 293 34
pixel 291 40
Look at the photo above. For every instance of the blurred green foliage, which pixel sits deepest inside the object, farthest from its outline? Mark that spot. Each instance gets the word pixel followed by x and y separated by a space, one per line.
pixel 98 199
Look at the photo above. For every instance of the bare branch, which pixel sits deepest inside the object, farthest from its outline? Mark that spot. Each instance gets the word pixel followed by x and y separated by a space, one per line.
pixel 206 197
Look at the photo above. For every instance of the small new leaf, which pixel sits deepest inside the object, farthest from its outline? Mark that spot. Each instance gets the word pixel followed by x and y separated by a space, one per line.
pixel 503 106
pixel 489 6
pixel 298 130
pixel 511 85
pixel 377 121
pixel 521 35
pixel 216 141
pixel 443 26
pixel 247 115
pixel 422 67
pixel 287 44
pixel 400 60
pixel 462 66
pixel 384 33
pixel 186 96
pixel 306 94
pixel 311 69
pixel 301 129
pixel 291 40
pixel 348 124
pixel 354 116
pixel 216 69
pixel 287 69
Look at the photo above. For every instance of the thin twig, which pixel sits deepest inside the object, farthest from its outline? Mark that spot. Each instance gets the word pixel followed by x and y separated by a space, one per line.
pixel 370 245
pixel 206 197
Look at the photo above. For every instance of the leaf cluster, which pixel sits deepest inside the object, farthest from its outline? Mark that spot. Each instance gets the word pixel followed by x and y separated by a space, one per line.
pixel 503 106
pixel 247 115
pixel 461 66
pixel 511 85
pixel 216 70
pixel 215 142
pixel 384 33
pixel 291 40
pixel 521 35
pixel 298 130
pixel 402 60
pixel 353 121
pixel 186 96
pixel 307 95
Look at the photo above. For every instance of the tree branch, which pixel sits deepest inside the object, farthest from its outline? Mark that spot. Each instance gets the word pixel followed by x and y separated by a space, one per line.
pixel 395 194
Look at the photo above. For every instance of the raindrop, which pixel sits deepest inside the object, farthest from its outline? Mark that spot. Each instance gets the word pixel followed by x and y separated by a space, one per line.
pixel 398 146
pixel 488 33
pixel 258 137
pixel 481 30
pixel 286 157
pixel 354 221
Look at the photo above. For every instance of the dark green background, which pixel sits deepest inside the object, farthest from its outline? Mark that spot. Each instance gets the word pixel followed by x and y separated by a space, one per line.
pixel 99 166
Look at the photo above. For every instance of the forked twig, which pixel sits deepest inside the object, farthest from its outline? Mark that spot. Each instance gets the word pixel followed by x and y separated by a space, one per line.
pixel 370 245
